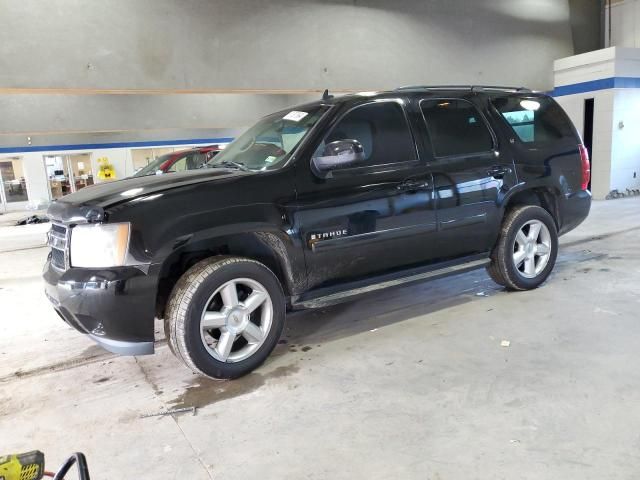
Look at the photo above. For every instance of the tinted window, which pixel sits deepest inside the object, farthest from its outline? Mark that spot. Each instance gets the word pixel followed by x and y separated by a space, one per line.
pixel 382 130
pixel 455 127
pixel 534 119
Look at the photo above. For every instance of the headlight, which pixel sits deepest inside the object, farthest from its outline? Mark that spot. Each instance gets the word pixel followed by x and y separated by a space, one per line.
pixel 99 245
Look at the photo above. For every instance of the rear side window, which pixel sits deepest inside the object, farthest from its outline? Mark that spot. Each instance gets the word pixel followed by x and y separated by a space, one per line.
pixel 534 119
pixel 455 127
pixel 382 130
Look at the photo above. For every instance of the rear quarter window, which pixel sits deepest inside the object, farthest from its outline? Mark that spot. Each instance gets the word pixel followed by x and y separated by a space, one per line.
pixel 535 120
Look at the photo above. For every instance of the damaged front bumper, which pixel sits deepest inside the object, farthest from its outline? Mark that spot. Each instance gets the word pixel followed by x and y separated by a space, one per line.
pixel 114 306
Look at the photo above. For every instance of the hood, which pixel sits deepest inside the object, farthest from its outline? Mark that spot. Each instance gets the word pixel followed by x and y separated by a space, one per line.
pixel 103 195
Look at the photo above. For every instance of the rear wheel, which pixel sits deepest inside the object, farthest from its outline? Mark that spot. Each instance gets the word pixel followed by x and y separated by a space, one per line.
pixel 526 251
pixel 225 316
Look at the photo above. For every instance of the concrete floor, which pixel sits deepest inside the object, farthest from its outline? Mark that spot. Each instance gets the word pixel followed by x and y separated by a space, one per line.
pixel 409 383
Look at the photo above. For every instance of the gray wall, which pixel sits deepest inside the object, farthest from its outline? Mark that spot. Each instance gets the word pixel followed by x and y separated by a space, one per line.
pixel 279 44
pixel 587 19
pixel 41 113
pixel 19 143
pixel 53 53
pixel 67 119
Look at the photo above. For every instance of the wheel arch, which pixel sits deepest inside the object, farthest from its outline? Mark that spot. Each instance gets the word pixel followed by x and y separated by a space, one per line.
pixel 541 196
pixel 266 247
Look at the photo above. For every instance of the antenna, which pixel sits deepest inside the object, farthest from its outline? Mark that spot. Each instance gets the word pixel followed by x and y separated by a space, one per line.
pixel 326 96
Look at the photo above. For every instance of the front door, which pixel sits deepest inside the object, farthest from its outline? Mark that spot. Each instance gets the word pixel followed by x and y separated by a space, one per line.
pixel 470 174
pixel 371 218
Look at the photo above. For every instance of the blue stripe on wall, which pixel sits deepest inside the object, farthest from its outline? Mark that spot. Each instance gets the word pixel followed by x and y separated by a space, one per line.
pixel 595 85
pixel 96 146
pixel 582 87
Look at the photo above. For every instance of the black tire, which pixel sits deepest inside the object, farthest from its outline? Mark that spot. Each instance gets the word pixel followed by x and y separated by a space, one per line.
pixel 191 295
pixel 495 274
pixel 502 268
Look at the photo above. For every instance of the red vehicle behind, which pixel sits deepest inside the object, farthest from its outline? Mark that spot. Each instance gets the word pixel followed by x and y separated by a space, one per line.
pixel 180 161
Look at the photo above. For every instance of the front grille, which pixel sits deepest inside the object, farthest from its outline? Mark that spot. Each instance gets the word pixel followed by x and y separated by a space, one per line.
pixel 58 239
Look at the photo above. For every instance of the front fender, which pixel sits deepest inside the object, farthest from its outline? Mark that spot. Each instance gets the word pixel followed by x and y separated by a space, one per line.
pixel 255 231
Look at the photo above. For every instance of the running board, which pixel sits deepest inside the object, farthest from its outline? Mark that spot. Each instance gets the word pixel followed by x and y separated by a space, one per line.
pixel 324 297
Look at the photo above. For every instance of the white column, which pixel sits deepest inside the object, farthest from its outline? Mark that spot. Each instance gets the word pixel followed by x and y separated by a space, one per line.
pixel 35 175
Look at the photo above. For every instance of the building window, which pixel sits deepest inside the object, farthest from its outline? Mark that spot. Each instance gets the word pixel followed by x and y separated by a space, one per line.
pixel 14 187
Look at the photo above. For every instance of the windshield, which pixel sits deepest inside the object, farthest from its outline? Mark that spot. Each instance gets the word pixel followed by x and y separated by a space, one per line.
pixel 266 145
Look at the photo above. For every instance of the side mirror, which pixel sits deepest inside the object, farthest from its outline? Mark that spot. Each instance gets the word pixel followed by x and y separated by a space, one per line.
pixel 339 154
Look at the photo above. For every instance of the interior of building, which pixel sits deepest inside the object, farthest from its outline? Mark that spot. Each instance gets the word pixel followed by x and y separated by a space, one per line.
pixel 320 239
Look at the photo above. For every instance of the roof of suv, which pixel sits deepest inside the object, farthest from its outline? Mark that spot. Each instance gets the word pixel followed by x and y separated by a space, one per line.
pixel 450 89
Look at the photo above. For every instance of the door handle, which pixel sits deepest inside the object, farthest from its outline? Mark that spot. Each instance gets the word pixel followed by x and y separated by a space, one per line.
pixel 498 171
pixel 413 185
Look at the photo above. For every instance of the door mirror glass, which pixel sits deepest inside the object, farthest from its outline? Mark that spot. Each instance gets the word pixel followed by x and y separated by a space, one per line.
pixel 340 154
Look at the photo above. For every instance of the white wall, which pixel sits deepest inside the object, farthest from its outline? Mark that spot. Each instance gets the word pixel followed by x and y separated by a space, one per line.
pixel 120 158
pixel 602 134
pixel 616 150
pixel 625 152
pixel 585 67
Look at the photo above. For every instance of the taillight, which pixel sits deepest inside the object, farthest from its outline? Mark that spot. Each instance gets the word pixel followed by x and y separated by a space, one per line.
pixel 586 167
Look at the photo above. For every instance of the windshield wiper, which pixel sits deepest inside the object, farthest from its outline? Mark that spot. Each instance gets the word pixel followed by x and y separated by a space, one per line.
pixel 229 164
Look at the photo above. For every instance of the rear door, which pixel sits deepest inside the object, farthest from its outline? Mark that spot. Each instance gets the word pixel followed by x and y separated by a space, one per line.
pixel 374 217
pixel 470 174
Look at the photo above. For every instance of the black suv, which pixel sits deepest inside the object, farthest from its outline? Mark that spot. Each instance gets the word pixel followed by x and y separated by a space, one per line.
pixel 312 206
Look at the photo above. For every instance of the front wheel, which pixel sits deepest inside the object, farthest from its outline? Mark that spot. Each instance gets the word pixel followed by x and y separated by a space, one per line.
pixel 526 251
pixel 225 316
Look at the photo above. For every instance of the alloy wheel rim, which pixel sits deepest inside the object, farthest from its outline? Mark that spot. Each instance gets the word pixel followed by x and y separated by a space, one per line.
pixel 236 320
pixel 532 248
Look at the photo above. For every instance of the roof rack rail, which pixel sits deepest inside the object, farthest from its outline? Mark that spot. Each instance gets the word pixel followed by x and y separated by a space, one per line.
pixel 434 87
pixel 473 88
pixel 501 87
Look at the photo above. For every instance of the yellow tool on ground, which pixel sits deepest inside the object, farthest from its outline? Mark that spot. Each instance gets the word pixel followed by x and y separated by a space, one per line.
pixel 24 466
pixel 30 466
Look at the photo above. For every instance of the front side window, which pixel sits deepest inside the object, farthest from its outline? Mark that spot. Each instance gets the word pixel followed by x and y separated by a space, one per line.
pixel 534 119
pixel 179 165
pixel 382 130
pixel 455 127
pixel 196 160
pixel 265 146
